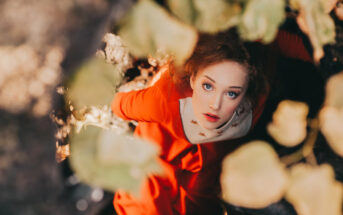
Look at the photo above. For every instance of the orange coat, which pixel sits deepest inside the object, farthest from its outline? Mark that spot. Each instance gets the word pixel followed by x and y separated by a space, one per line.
pixel 191 181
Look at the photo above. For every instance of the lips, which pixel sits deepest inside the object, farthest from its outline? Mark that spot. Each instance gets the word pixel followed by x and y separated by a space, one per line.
pixel 211 117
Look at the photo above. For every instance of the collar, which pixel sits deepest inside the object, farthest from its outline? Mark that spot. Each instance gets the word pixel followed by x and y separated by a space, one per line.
pixel 237 126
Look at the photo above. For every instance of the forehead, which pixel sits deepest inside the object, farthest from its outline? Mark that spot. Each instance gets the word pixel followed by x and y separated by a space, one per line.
pixel 225 73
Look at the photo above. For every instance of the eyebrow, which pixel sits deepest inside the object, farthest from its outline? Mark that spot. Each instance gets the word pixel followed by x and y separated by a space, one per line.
pixel 236 87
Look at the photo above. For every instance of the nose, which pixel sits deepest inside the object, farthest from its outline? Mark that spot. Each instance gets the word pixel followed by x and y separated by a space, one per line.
pixel 216 102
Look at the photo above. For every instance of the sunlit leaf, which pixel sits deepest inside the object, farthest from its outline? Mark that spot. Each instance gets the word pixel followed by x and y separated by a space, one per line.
pixel 148 28
pixel 93 84
pixel 289 123
pixel 206 15
pixel 261 19
pixel 331 125
pixel 252 176
pixel 215 15
pixel 316 23
pixel 328 5
pixel 314 191
pixel 183 9
pixel 102 158
pixel 339 11
pixel 334 89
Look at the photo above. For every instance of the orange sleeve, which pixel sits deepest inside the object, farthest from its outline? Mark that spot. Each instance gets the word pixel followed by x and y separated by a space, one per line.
pixel 148 105
pixel 144 105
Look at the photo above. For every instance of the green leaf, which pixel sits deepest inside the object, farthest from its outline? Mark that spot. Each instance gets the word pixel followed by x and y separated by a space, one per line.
pixel 206 15
pixel 93 84
pixel 316 23
pixel 111 161
pixel 183 9
pixel 313 190
pixel 149 28
pixel 261 19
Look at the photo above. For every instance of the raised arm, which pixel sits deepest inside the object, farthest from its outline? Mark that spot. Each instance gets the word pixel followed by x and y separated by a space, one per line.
pixel 149 105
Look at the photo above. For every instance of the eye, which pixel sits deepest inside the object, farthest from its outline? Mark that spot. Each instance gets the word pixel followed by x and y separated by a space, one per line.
pixel 207 86
pixel 232 94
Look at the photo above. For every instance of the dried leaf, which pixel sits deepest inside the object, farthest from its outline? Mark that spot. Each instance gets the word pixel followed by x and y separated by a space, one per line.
pixel 252 176
pixel 93 84
pixel 334 89
pixel 289 123
pixel 331 125
pixel 102 158
pixel 261 19
pixel 148 28
pixel 314 191
pixel 116 52
pixel 316 23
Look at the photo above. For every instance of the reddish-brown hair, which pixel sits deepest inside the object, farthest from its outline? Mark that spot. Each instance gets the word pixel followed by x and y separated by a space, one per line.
pixel 217 48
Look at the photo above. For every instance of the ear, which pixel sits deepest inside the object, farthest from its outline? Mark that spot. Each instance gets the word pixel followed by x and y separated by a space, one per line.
pixel 191 80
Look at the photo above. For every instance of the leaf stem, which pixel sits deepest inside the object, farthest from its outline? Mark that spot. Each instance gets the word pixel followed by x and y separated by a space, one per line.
pixel 307 150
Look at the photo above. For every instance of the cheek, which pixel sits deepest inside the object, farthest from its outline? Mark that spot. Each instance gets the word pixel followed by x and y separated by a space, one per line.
pixel 200 97
pixel 229 109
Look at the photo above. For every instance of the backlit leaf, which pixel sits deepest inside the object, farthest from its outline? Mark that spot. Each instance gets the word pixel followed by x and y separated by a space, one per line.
pixel 149 28
pixel 331 125
pixel 288 127
pixel 252 176
pixel 261 19
pixel 314 191
pixel 183 9
pixel 206 15
pixel 334 89
pixel 105 159
pixel 93 84
pixel 314 21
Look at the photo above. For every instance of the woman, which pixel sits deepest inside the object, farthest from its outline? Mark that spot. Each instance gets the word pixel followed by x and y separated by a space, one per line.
pixel 217 97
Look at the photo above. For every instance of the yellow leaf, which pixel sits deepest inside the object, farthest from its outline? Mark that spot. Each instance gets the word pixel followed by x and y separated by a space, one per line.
pixel 149 28
pixel 252 176
pixel 331 125
pixel 334 89
pixel 289 123
pixel 314 191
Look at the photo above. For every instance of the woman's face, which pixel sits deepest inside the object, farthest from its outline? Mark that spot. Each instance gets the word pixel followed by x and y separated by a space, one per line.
pixel 218 89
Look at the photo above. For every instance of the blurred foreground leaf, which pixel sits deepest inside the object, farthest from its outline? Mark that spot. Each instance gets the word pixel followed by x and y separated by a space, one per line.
pixel 149 28
pixel 207 15
pixel 331 125
pixel 334 89
pixel 314 191
pixel 93 84
pixel 314 21
pixel 105 159
pixel 261 19
pixel 252 176
pixel 331 115
pixel 288 127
